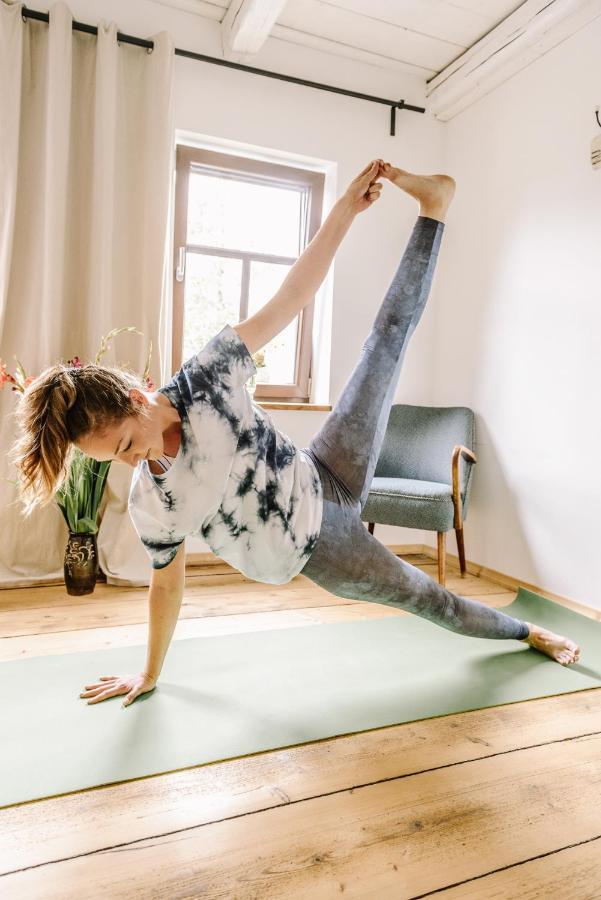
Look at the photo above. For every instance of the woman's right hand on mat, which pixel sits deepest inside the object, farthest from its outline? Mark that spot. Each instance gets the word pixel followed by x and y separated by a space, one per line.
pixel 113 686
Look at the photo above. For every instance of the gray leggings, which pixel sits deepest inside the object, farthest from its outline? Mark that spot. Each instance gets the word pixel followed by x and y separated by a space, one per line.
pixel 347 560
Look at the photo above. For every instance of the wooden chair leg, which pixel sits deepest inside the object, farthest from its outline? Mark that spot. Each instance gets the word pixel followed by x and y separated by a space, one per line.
pixel 461 550
pixel 442 558
pixel 370 527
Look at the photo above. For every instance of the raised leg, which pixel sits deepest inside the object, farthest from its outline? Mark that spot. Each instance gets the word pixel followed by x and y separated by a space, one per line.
pixel 350 439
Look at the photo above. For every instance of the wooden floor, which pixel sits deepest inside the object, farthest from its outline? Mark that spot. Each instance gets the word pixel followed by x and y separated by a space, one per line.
pixel 501 802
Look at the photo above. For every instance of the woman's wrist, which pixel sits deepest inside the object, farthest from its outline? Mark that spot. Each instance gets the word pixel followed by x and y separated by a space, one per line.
pixel 344 205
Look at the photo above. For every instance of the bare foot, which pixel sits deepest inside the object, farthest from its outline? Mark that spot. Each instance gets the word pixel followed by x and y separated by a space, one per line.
pixel 562 649
pixel 433 192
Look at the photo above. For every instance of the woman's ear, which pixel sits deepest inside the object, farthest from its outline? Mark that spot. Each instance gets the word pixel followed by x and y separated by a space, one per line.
pixel 136 396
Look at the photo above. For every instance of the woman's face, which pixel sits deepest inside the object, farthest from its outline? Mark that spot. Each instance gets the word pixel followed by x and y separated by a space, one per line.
pixel 136 437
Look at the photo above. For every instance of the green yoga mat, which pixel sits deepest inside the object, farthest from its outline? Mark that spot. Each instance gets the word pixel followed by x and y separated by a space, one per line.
pixel 227 696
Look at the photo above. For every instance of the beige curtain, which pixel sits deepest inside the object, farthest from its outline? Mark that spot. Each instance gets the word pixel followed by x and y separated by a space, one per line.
pixel 86 156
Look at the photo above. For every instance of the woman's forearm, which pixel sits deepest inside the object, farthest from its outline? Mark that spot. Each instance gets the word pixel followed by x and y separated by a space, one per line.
pixel 312 266
pixel 310 269
pixel 163 610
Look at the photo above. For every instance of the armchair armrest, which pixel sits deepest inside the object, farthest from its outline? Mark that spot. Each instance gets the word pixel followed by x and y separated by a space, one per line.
pixel 458 451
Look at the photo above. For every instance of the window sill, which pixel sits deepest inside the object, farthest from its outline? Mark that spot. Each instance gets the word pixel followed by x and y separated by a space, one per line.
pixel 282 404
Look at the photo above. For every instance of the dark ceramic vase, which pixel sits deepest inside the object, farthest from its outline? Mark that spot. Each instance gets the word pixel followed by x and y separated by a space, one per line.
pixel 81 564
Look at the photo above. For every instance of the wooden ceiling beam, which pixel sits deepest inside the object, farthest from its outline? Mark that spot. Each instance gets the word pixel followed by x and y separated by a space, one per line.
pixel 247 24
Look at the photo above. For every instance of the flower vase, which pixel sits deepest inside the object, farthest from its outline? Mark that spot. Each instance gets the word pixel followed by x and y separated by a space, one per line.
pixel 81 563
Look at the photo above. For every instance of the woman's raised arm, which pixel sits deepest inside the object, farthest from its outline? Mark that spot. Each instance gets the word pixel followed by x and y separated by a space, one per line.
pixel 310 269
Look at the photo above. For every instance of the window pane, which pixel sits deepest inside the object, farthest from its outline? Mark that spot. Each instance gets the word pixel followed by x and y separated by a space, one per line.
pixel 211 299
pixel 240 215
pixel 280 351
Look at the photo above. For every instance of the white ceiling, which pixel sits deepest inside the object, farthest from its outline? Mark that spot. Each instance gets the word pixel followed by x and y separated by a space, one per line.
pixel 420 37
pixel 460 49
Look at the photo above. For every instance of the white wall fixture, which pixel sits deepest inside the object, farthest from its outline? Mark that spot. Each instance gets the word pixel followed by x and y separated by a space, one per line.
pixel 527 34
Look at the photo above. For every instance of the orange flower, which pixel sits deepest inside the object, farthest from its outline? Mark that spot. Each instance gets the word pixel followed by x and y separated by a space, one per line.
pixel 6 376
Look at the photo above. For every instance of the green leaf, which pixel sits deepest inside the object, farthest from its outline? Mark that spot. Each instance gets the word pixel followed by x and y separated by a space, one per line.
pixel 87 526
pixel 71 504
pixel 99 486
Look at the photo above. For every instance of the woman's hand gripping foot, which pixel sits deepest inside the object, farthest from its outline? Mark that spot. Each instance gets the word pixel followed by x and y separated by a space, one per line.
pixel 559 648
pixel 365 189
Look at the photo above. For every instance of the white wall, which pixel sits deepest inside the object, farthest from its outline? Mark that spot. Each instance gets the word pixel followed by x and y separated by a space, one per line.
pixel 336 130
pixel 518 318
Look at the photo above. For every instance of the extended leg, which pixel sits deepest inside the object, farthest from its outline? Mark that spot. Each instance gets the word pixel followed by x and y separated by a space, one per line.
pixel 349 562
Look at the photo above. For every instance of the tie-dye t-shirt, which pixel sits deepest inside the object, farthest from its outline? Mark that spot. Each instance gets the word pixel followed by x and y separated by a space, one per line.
pixel 236 480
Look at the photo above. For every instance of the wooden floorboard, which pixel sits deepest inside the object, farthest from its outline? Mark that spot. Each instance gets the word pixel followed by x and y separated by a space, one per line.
pixel 501 802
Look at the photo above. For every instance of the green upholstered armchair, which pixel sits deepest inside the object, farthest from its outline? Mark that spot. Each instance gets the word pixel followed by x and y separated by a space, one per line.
pixel 419 479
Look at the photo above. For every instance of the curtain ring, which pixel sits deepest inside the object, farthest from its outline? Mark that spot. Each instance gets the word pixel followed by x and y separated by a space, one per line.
pixel 597 115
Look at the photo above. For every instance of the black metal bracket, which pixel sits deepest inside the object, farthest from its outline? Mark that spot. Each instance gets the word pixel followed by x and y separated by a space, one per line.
pixel 393 109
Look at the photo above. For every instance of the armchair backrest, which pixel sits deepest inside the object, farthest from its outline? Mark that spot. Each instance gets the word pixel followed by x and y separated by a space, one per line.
pixel 419 442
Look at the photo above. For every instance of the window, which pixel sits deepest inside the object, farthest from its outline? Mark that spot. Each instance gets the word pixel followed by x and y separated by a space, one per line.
pixel 240 224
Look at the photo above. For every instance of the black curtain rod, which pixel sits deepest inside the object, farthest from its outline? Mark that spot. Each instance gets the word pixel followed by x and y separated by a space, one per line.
pixel 140 42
